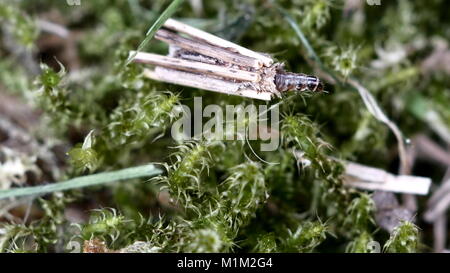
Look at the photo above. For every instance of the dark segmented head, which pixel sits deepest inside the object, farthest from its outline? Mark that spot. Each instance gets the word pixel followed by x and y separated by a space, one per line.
pixel 313 84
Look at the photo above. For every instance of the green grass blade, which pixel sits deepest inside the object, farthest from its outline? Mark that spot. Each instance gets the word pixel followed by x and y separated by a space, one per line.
pixel 85 181
pixel 299 33
pixel 168 12
pixel 312 54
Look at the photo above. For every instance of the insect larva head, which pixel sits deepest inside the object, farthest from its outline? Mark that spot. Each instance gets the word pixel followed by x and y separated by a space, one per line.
pixel 314 84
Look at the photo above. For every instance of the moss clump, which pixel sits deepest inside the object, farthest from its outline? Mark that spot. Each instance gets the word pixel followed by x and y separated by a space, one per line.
pixel 93 113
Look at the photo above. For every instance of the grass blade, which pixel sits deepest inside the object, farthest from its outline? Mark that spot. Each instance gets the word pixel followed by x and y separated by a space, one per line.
pixel 299 33
pixel 312 54
pixel 168 12
pixel 85 181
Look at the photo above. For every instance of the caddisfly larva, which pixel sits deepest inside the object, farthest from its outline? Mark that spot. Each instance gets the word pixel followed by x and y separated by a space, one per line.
pixel 201 60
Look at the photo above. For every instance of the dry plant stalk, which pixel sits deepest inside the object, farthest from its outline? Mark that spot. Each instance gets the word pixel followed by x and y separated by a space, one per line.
pixel 439 202
pixel 369 178
pixel 436 213
pixel 201 60
pixel 374 179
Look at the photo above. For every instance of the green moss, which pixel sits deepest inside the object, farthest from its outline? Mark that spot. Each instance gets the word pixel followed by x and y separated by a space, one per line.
pixel 212 197
pixel 404 239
